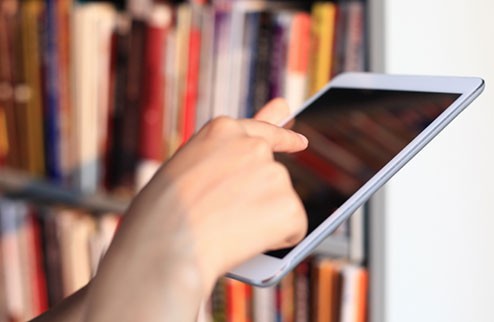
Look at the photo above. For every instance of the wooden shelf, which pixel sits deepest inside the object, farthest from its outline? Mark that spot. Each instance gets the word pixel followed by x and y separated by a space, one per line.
pixel 19 185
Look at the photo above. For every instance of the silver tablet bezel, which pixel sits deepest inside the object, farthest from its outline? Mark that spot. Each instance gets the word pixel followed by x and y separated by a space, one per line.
pixel 264 270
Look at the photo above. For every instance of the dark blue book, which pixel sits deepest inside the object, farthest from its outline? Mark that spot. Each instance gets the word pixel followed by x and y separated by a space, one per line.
pixel 251 43
pixel 263 61
pixel 51 94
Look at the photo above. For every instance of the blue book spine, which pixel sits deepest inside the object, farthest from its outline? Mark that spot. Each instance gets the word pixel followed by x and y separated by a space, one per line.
pixel 51 97
pixel 252 31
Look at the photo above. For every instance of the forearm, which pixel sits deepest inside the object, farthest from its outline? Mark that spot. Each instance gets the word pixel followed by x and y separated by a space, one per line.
pixel 147 275
pixel 69 310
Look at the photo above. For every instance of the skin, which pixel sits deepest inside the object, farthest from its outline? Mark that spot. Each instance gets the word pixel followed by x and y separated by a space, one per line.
pixel 194 221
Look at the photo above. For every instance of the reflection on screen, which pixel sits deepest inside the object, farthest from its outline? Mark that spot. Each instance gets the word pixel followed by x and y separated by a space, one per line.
pixel 352 134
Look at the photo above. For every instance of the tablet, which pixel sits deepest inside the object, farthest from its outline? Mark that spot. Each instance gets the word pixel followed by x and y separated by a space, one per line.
pixel 362 128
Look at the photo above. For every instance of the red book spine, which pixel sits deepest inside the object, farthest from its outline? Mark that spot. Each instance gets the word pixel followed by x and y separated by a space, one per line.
pixel 192 85
pixel 151 143
pixel 39 285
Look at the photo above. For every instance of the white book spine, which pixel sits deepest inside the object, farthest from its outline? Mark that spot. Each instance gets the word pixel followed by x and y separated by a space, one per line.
pixel 264 304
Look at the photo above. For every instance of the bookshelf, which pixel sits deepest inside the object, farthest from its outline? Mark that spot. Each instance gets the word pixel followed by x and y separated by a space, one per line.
pixel 19 185
pixel 111 98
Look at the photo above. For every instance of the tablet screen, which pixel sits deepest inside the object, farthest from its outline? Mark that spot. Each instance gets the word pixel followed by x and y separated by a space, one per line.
pixel 353 133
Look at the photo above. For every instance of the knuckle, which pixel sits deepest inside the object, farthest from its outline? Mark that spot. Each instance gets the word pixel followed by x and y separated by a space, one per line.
pixel 279 174
pixel 221 125
pixel 258 147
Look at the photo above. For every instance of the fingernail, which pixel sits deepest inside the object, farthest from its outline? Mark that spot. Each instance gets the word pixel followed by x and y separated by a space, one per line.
pixel 303 138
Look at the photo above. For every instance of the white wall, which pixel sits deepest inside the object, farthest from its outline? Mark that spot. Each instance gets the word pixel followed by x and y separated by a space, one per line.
pixel 439 214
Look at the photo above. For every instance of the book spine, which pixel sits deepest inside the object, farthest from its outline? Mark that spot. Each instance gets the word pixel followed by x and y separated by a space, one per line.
pixel 10 225
pixel 51 117
pixel 249 64
pixel 218 301
pixel 264 304
pixel 52 258
pixel 238 301
pixel 119 59
pixel 222 25
pixel 263 61
pixel 302 292
pixel 36 275
pixel 134 88
pixel 297 61
pixel 279 31
pixel 205 94
pixel 93 23
pixel 192 76
pixel 323 26
pixel 151 114
pixel 8 137
pixel 63 32
pixel 32 116
pixel 287 305
pixel 181 62
pixel 355 33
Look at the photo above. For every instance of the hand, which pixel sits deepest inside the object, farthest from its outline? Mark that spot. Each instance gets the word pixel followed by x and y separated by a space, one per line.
pixel 229 188
pixel 219 201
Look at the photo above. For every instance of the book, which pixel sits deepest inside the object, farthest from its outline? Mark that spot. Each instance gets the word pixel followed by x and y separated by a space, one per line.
pixel 170 114
pixel 29 90
pixel 355 54
pixel 327 290
pixel 91 95
pixel 238 299
pixel 323 31
pixel 354 294
pixel 63 11
pixel 191 87
pixel 248 64
pixel 51 89
pixel 32 268
pixel 264 304
pixel 181 63
pixel 303 296
pixel 262 62
pixel 295 87
pixel 8 155
pixel 116 162
pixel 10 223
pixel 222 32
pixel 51 251
pixel 287 298
pixel 74 231
pixel 205 89
pixel 281 22
pixel 151 147
pixel 218 301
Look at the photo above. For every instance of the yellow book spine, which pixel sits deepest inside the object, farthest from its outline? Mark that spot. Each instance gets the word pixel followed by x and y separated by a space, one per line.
pixel 323 30
pixel 4 144
pixel 31 14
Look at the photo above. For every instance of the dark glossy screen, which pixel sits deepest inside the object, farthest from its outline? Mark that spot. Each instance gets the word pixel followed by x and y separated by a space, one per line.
pixel 352 134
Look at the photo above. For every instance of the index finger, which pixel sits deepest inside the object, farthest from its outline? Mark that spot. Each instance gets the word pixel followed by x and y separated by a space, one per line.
pixel 280 139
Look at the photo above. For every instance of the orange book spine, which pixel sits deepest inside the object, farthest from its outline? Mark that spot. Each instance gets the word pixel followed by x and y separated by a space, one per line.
pixel 361 296
pixel 238 297
pixel 192 84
